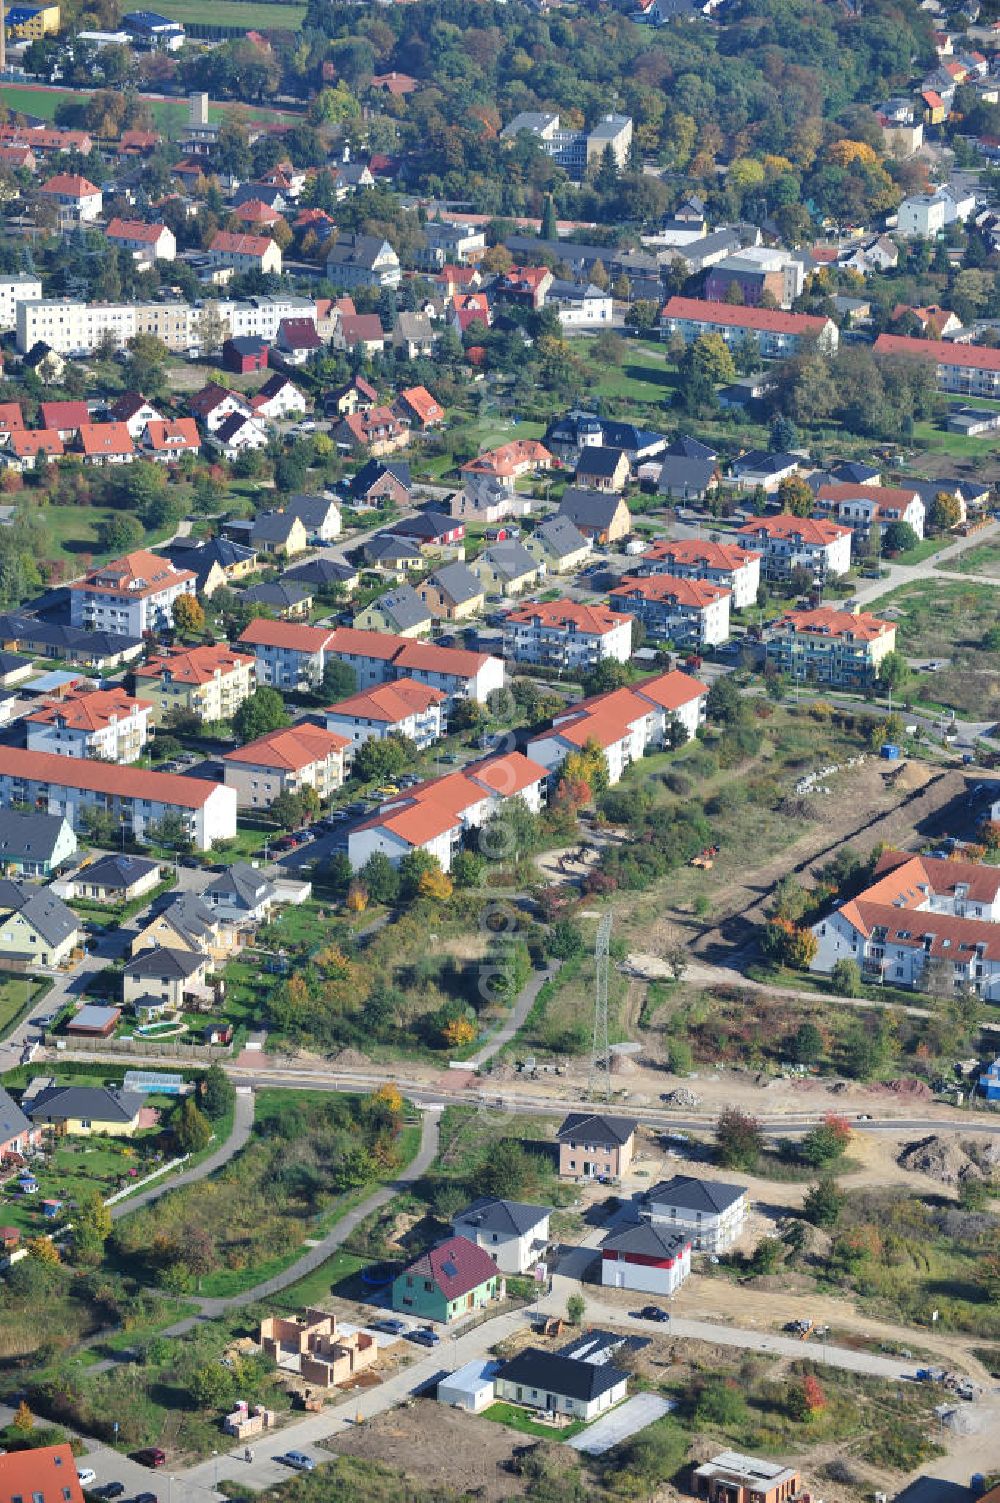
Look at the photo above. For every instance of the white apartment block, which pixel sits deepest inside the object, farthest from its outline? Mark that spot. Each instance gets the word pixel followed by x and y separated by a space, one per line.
pixel 625 723
pixel 14 290
pixel 69 327
pixel 136 798
pixel 130 595
pixel 106 724
pixel 719 563
pixel 563 634
pixel 712 1214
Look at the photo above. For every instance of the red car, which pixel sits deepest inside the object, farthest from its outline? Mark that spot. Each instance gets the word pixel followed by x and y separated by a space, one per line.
pixel 152 1456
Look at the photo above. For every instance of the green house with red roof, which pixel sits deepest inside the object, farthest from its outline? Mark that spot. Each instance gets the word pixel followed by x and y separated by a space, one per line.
pixel 447 1282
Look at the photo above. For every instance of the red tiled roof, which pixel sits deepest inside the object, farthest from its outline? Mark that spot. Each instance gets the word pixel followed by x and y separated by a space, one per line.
pixel 785 525
pixel 105 777
pixel 70 185
pixel 170 434
pixel 389 703
pixel 456 1266
pixel 942 352
pixel 361 328
pixel 27 441
pixel 698 594
pixel 47 1471
pixel 135 229
pixel 11 417
pixel 106 438
pixel 425 657
pixel 296 635
pixel 64 414
pixel 355 642
pixel 671 690
pixel 290 749
pixel 424 407
pixel 194 665
pixel 255 211
pixel 91 710
pixel 765 320
pixel 692 551
pixel 229 244
pixel 827 621
pixel 137 574
pixel 506 775
pixel 508 458
pixel 592 620
pixel 883 495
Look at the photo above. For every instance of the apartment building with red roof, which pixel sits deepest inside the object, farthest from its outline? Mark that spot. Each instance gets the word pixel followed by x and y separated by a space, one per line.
pixel 288 654
pixel 139 799
pixel 624 723
pixel 402 707
pixel 778 334
pixel 565 634
pixel 289 760
pixel 719 563
pixel 211 681
pixel 787 543
pixel 687 612
pixel 922 922
pixel 970 369
pixel 844 649
pixel 45 1474
pixel 864 507
pixel 104 723
pixel 131 595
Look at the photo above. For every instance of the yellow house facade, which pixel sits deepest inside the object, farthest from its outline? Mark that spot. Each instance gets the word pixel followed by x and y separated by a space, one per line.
pixel 28 23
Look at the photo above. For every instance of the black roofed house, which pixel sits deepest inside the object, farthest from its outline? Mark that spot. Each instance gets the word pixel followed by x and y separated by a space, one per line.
pixel 645 1256
pixel 36 927
pixel 684 479
pixel 593 1145
pixel 560 545
pixel 79 1110
pixel 710 1213
pixel 216 562
pixel 362 261
pixel 388 551
pixel 278 532
pixel 16 1133
pixel 325 575
pixel 111 879
pixel 758 467
pixel 75 645
pixel 686 447
pixel 288 599
pixel 558 1384
pixel 319 515
pixel 431 529
pixel 381 480
pixel 158 978
pixel 240 893
pixel 515 1235
pixel 603 469
pixel 599 515
pixel 402 612
pixel 34 844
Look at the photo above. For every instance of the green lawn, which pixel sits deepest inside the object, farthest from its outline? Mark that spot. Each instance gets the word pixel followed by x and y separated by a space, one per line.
pixel 76 1168
pixel 516 1418
pixel 983 559
pixel 255 15
pixel 169 115
pixel 645 376
pixel 926 548
pixel 18 995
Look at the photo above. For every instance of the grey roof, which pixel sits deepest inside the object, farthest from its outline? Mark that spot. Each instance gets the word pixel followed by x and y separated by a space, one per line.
pixel 512 1218
pixel 201 557
pixel 171 965
pixel 595 1127
pixel 760 462
pixel 414 326
pixel 242 883
pixel 686 477
pixel 92 1103
pixel 273 526
pixel 403 607
pixel 855 473
pixel 686 447
pixel 597 461
pixel 689 1193
pixel 46 913
pixel 390 546
pixel 560 537
pixel 190 917
pixel 373 471
pixel 551 1372
pixel 356 250
pixel 118 871
pixel 56 640
pixel 645 1240
pixel 588 507
pixel 457 581
pixel 28 836
pixel 282 594
pixel 322 571
pixel 512 559
pixel 13 1122
pixel 312 511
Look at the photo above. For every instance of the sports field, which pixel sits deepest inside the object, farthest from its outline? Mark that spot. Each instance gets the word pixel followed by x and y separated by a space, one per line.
pixel 255 15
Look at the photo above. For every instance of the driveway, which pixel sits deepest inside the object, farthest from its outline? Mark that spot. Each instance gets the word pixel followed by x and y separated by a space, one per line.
pixel 628 1419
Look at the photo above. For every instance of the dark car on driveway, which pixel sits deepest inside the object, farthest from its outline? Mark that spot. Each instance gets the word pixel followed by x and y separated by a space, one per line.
pixel 651 1312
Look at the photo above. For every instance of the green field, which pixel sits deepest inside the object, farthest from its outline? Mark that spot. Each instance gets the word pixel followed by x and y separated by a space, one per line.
pixel 169 115
pixel 255 15
pixel 983 559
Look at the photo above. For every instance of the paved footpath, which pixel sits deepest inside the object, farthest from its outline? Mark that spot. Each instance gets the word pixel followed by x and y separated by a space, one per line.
pixel 239 1138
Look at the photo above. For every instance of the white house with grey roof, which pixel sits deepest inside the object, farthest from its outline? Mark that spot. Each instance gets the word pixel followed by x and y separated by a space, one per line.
pixel 710 1213
pixel 362 261
pixel 34 844
pixel 319 515
pixel 240 894
pixel 515 1235
pixel 560 545
pixel 653 1259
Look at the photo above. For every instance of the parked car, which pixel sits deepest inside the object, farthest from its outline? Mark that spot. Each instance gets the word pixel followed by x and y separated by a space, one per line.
pixel 389 1327
pixel 151 1456
pixel 424 1337
pixel 651 1312
pixel 87 1475
pixel 110 1490
pixel 145 1498
pixel 297 1460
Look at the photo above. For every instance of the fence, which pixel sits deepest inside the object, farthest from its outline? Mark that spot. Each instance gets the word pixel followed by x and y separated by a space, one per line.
pixel 174 1050
pixel 139 1184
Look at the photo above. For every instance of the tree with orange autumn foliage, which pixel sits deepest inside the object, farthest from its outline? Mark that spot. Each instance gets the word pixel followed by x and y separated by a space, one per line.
pixel 458 1031
pixel 436 884
pixel 357 898
pixel 844 152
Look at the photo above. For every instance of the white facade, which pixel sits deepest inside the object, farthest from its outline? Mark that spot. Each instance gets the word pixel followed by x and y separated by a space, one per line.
pixel 70 327
pixel 646 1272
pixel 14 290
pixel 583 308
pixel 740 576
pixel 122 739
pixel 566 647
pixel 130 613
pixel 139 799
pixel 711 1229
pixel 511 1250
pixel 423 727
